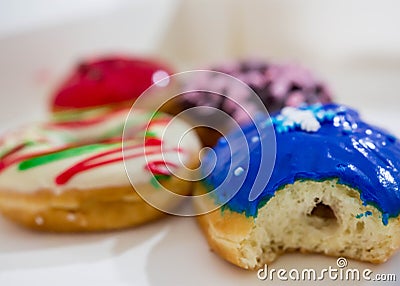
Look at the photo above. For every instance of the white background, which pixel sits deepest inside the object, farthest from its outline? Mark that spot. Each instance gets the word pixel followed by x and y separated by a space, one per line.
pixel 354 45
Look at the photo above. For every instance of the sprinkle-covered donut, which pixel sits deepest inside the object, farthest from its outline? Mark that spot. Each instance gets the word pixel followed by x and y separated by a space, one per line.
pixel 277 85
pixel 113 80
pixel 68 174
pixel 334 189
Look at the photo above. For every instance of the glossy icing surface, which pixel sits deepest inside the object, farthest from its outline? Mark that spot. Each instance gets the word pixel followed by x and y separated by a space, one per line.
pixel 83 151
pixel 316 143
pixel 107 80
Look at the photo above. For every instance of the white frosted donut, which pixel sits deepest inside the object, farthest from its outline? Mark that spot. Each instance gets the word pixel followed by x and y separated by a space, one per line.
pixel 68 174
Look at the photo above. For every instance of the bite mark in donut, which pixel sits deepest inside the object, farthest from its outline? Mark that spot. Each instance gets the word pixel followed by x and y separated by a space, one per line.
pixel 334 190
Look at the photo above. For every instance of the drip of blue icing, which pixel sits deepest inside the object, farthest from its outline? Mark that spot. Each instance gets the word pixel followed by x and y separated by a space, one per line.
pixel 359 155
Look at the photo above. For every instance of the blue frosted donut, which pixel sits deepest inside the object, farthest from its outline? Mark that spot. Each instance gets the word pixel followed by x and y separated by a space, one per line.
pixel 334 188
pixel 337 144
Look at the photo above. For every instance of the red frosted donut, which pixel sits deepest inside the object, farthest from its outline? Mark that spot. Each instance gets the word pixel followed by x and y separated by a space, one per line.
pixel 112 80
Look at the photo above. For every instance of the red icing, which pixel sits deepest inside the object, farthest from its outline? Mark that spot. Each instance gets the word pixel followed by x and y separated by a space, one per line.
pixel 6 161
pixel 105 81
pixel 153 142
pixel 14 150
pixel 3 163
pixel 159 167
pixel 94 161
pixel 11 157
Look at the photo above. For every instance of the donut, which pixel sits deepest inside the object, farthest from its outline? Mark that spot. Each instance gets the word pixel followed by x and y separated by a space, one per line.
pixel 334 189
pixel 277 85
pixel 68 175
pixel 107 80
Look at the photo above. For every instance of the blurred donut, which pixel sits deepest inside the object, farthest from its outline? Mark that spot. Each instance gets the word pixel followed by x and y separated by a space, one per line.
pixel 68 175
pixel 106 81
pixel 276 85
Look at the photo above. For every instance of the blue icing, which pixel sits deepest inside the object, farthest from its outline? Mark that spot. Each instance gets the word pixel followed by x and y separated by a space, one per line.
pixel 361 156
pixel 366 214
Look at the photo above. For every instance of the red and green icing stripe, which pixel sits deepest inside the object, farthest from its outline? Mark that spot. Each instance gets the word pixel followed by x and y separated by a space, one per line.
pixel 158 168
pixel 32 160
pixel 93 162
pixel 60 155
pixel 9 160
